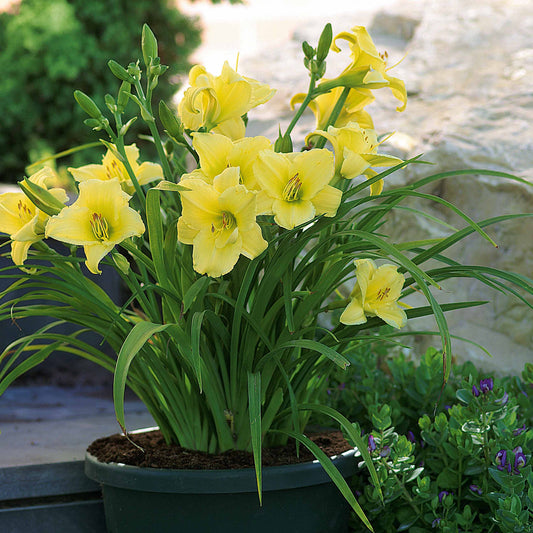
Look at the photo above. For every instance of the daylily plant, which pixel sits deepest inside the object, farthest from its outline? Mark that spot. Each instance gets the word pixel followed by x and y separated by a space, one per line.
pixel 234 252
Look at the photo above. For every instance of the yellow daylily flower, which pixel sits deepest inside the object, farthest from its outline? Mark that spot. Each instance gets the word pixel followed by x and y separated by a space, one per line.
pixel 21 219
pixel 218 152
pixel 219 220
pixel 356 152
pixel 98 220
pixel 352 111
pixel 375 293
pixel 112 168
pixel 298 185
pixel 364 54
pixel 218 102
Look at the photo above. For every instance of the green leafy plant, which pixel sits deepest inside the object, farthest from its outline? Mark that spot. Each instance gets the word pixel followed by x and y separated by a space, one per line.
pixel 52 47
pixel 462 464
pixel 230 266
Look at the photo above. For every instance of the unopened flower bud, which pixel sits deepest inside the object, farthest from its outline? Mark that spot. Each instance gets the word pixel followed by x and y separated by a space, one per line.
pixel 119 71
pixel 324 43
pixel 87 104
pixel 123 96
pixel 134 71
pixel 309 51
pixel 110 103
pixel 283 144
pixel 170 121
pixel 148 45
pixel 93 123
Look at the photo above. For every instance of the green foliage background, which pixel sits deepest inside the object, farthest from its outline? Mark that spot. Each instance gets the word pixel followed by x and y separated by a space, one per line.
pixel 52 47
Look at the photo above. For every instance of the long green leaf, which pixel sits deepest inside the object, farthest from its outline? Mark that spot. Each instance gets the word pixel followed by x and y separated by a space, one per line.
pixel 332 472
pixel 254 407
pixel 133 343
pixel 352 434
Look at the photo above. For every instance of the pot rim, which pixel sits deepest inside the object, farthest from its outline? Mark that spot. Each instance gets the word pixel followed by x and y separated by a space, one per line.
pixel 215 481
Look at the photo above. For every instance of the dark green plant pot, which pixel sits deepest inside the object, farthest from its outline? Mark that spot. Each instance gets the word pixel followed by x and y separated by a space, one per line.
pixel 296 498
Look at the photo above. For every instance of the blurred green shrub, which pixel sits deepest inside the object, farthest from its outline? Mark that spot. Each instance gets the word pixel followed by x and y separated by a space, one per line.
pixel 49 48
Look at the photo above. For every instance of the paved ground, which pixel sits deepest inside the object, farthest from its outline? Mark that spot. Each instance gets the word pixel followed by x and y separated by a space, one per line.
pixel 48 424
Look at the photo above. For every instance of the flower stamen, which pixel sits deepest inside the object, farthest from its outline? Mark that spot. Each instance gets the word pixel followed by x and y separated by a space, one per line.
pixel 24 211
pixel 291 191
pixel 383 293
pixel 100 227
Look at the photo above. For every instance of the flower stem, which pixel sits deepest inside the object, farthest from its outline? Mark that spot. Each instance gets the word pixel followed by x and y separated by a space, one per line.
pixel 310 96
pixel 334 115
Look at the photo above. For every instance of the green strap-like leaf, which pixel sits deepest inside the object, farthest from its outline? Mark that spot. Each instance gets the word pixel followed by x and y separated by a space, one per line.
pixel 133 343
pixel 353 434
pixel 254 406
pixel 332 472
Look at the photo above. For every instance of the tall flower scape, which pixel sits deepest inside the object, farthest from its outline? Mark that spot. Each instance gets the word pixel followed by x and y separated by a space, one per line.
pixel 230 266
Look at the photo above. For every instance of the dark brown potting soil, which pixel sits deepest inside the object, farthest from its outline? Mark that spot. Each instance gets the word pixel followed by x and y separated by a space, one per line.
pixel 156 453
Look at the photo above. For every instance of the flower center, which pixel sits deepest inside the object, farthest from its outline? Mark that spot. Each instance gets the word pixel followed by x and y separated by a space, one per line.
pixel 291 191
pixel 100 227
pixel 25 213
pixel 227 222
pixel 383 293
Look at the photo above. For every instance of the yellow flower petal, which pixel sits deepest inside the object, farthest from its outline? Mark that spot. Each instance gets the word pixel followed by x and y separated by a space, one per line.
pixel 288 215
pixel 89 172
pixel 186 233
pixel 213 150
pixel 272 172
pixel 327 201
pixel 94 254
pixel 212 260
pixel 148 172
pixel 393 315
pixel 234 128
pixel 353 314
pixel 315 169
pixel 19 251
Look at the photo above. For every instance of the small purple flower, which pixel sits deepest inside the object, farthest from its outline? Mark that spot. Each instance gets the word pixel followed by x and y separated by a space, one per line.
pixel 475 391
pixel 341 386
pixel 411 437
pixel 442 495
pixel 519 459
pixel 447 407
pixel 486 385
pixel 385 451
pixel 371 444
pixel 435 522
pixel 476 489
pixel 500 458
pixel 518 431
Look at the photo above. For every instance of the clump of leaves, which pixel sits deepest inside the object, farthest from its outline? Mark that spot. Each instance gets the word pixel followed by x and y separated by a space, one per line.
pixel 49 48
pixel 460 463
